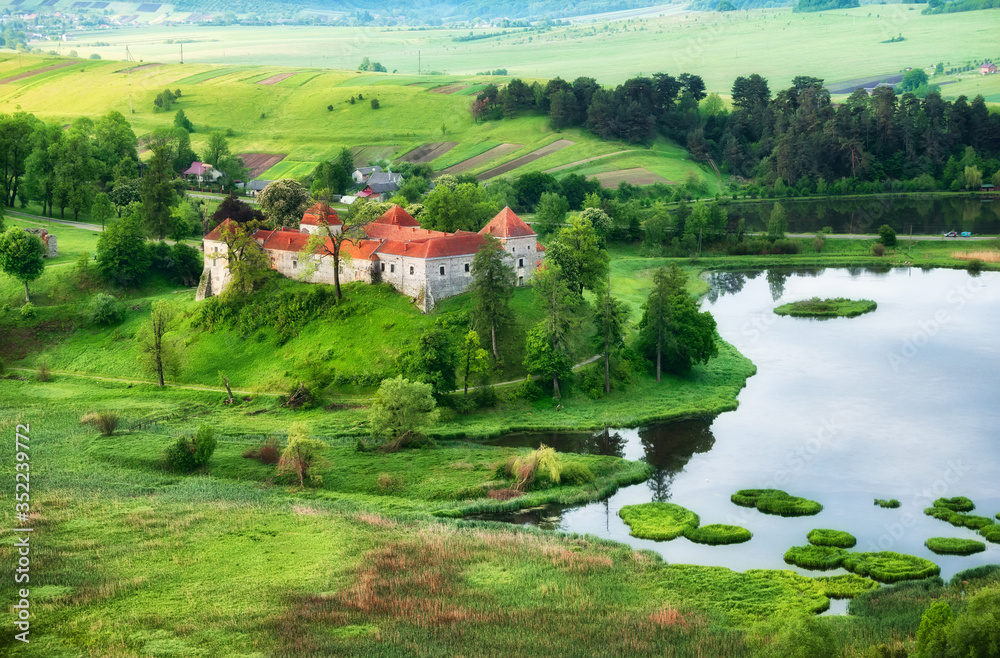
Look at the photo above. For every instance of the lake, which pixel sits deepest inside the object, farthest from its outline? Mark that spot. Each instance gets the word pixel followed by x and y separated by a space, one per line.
pixel 898 403
pixel 924 215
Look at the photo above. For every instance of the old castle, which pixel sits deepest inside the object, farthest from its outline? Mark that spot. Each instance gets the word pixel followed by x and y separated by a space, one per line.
pixel 425 265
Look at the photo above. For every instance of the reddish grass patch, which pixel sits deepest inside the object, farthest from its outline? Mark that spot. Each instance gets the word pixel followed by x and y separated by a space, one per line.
pixel 636 176
pixel 29 74
pixel 448 89
pixel 258 163
pixel 275 79
pixel 504 494
pixel 669 618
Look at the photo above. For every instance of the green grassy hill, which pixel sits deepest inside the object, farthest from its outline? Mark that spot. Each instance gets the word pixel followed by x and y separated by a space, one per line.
pixel 292 118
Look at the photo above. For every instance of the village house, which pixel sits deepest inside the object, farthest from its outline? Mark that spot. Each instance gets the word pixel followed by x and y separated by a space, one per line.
pixel 423 264
pixel 361 174
pixel 987 68
pixel 382 185
pixel 202 172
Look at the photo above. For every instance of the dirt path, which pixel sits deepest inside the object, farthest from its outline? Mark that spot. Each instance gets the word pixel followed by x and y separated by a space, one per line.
pixel 586 160
pixel 525 159
pixel 29 74
pixel 482 158
pixel 275 79
pixel 428 152
pixel 211 389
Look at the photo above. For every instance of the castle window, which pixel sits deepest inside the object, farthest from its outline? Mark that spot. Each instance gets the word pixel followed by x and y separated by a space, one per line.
pixel 411 269
pixel 520 280
pixel 392 267
pixel 520 262
pixel 295 263
pixel 383 266
pixel 442 270
pixel 466 267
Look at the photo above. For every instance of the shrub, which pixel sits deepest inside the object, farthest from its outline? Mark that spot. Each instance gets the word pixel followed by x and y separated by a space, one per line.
pixel 824 537
pixel 887 235
pixel 105 310
pixel 805 637
pixel 775 501
pixel 956 504
pixel 28 311
pixel 892 503
pixel 301 456
pixel 818 244
pixel 266 453
pixel 188 453
pixel 660 521
pixel 576 473
pixel 375 105
pixel 43 374
pixel 718 534
pixel 974 266
pixel 389 483
pixel 890 567
pixel 539 468
pixel 821 558
pixel 951 546
pixel 106 422
pixel 878 249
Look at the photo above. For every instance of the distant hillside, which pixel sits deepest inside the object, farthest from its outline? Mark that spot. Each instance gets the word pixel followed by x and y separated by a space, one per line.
pixel 825 5
pixel 419 11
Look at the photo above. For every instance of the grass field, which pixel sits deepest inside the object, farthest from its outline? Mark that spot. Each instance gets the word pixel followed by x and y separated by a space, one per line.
pixel 717 46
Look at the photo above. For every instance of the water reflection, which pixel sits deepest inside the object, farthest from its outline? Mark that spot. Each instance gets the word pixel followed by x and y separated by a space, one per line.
pixel 668 449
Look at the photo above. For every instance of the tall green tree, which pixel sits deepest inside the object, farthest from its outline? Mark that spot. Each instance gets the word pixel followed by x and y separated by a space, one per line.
pixel 75 171
pixel 284 201
pixel 156 353
pixel 114 142
pixel 122 255
pixel 327 241
pixel 467 207
pixel 475 360
pixel 610 319
pixel 654 327
pixel 577 250
pixel 21 256
pixel 40 178
pixel 673 332
pixel 433 360
pixel 102 210
pixel 248 264
pixel 548 350
pixel 16 144
pixel 401 411
pixel 777 224
pixel 493 282
pixel 217 149
pixel 551 214
pixel 157 188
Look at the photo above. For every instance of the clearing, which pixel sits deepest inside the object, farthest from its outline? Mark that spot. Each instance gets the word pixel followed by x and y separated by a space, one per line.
pixel 428 152
pixel 525 159
pixel 637 176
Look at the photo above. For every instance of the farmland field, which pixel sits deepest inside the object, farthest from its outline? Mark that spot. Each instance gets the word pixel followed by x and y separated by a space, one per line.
pixel 837 45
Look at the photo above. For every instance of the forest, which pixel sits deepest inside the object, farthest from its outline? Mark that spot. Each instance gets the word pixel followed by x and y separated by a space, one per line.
pixel 797 135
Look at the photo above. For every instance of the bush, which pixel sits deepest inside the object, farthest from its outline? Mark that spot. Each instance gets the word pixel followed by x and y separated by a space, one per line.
pixel 28 311
pixel 43 374
pixel 105 310
pixel 974 266
pixel 845 586
pixel 188 453
pixel 878 249
pixel 575 473
pixel 375 104
pixel 950 546
pixel 887 235
pixel 890 567
pixel 718 534
pixel 775 501
pixel 818 244
pixel 106 422
pixel 821 558
pixel 660 521
pixel 389 483
pixel 892 503
pixel 266 453
pixel 824 537
pixel 539 468
pixel 956 504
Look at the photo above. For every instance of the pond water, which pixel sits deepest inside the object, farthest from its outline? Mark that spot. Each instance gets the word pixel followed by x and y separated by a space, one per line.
pixel 924 215
pixel 899 403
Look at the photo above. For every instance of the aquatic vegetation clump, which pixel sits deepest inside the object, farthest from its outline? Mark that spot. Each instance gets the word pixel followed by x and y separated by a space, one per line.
pixel 991 533
pixel 826 537
pixel 660 521
pixel 839 307
pixel 775 501
pixel 958 519
pixel 956 504
pixel 821 558
pixel 845 586
pixel 890 567
pixel 892 503
pixel 718 534
pixel 952 546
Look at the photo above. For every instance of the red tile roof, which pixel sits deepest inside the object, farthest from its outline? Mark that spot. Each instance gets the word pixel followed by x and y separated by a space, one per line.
pixel 507 225
pixel 393 232
pixel 319 211
pixel 291 240
pixel 226 225
pixel 459 244
pixel 197 169
pixel 396 216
